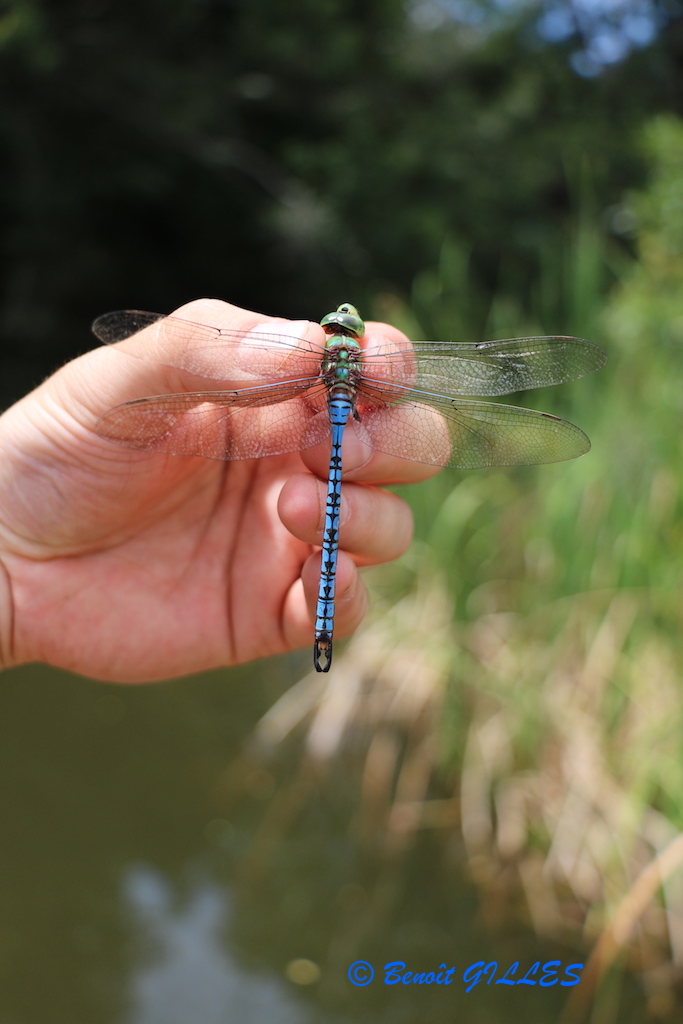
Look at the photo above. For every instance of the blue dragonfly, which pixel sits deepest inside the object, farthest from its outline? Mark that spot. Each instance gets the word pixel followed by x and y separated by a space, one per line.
pixel 280 394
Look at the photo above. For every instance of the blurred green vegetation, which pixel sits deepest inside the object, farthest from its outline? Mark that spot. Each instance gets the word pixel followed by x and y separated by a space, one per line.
pixel 563 716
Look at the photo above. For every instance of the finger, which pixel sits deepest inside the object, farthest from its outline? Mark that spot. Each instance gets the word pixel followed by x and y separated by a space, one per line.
pixel 351 601
pixel 234 347
pixel 158 360
pixel 375 525
pixel 364 464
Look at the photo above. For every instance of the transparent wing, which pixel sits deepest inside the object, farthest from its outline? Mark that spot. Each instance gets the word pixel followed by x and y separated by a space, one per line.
pixel 440 431
pixel 248 424
pixel 234 357
pixel 486 368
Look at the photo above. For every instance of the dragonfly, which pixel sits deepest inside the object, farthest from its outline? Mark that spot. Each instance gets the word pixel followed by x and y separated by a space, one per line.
pixel 279 394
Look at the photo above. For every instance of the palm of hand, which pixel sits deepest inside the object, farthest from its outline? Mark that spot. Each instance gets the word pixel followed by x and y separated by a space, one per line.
pixel 130 566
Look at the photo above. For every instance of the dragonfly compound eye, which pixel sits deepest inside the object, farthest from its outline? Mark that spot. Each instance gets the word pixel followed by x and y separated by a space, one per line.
pixel 346 317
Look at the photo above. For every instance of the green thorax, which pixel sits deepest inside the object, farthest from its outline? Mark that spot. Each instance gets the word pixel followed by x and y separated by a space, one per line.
pixel 344 329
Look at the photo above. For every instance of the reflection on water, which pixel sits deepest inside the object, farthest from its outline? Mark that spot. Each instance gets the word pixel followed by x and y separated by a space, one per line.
pixel 191 976
pixel 153 872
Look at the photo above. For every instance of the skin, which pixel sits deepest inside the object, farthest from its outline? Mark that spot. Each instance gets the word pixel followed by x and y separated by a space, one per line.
pixel 130 567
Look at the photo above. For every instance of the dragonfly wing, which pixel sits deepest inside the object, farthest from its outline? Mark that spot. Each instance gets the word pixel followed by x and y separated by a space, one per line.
pixel 233 357
pixel 440 431
pixel 486 368
pixel 221 425
pixel 117 326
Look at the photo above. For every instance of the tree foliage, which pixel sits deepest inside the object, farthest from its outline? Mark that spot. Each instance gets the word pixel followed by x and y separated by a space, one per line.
pixel 288 154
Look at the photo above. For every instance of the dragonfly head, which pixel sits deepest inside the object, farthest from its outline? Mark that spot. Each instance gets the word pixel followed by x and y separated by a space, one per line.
pixel 345 317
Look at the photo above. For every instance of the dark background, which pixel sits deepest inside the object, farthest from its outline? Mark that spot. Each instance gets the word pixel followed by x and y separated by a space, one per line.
pixel 288 155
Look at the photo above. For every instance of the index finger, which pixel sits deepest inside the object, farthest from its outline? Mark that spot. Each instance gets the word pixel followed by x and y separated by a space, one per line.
pixel 186 352
pixel 217 341
pixel 172 352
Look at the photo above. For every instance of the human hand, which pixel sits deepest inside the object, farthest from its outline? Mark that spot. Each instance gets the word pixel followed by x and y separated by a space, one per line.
pixel 130 567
